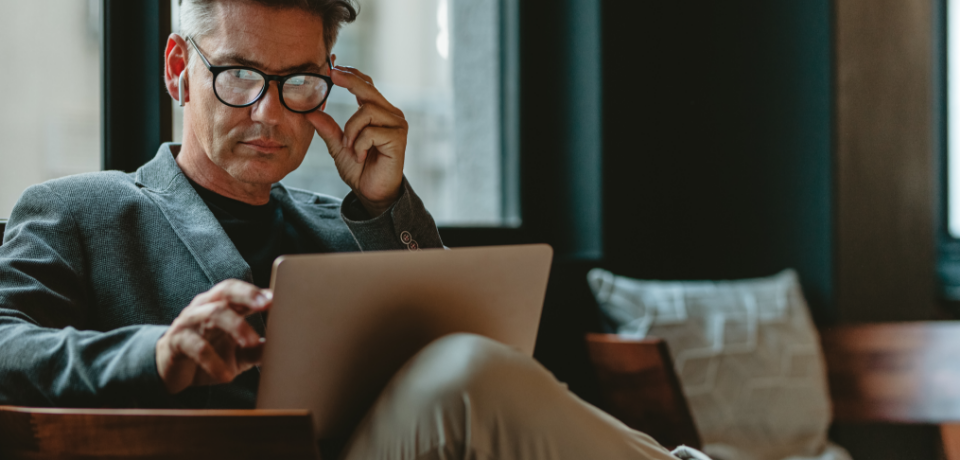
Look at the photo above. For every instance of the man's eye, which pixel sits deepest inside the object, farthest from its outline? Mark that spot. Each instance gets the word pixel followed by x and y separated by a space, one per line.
pixel 296 80
pixel 244 74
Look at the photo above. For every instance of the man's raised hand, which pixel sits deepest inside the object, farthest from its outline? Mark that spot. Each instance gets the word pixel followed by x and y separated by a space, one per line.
pixel 211 341
pixel 369 150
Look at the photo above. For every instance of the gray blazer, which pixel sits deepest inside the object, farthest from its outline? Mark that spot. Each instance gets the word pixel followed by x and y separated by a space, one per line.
pixel 94 267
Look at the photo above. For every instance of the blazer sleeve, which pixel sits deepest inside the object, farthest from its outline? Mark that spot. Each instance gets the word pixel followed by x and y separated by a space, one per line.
pixel 406 225
pixel 48 357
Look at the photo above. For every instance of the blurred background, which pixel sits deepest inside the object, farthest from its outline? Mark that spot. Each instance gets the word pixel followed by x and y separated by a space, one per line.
pixel 50 116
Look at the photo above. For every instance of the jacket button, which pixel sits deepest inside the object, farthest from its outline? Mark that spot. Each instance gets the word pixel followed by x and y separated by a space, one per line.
pixel 406 237
pixel 413 246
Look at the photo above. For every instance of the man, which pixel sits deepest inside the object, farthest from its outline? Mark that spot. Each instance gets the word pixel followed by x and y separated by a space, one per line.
pixel 149 289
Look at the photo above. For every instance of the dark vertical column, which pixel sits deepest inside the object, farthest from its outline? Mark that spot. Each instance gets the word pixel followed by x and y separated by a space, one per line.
pixel 510 59
pixel 886 206
pixel 136 112
pixel 561 166
pixel 885 185
pixel 561 121
pixel 582 132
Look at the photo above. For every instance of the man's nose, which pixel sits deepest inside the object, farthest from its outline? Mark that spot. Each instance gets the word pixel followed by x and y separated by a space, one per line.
pixel 268 110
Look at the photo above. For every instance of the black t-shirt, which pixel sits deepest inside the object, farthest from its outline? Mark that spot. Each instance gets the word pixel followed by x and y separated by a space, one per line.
pixel 260 233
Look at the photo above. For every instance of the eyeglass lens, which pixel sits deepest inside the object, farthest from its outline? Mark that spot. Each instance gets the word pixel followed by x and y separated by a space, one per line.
pixel 242 86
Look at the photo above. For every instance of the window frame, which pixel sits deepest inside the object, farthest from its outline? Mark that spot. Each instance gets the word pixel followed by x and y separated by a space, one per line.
pixel 948 246
pixel 133 39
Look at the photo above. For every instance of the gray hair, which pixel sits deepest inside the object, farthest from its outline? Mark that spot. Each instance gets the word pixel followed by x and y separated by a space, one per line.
pixel 199 17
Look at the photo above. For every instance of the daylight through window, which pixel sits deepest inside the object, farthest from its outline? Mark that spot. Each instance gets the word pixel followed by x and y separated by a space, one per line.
pixel 50 116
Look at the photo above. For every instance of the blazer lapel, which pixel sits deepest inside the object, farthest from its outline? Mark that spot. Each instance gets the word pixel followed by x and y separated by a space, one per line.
pixel 164 183
pixel 323 223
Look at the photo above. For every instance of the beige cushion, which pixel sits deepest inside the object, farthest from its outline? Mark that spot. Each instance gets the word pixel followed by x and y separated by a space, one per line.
pixel 747 354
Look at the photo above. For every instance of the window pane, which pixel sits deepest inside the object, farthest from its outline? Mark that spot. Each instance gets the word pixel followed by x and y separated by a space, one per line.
pixel 440 62
pixel 50 116
pixel 953 116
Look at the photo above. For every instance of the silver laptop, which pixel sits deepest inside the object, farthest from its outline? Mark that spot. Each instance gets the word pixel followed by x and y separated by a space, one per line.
pixel 342 324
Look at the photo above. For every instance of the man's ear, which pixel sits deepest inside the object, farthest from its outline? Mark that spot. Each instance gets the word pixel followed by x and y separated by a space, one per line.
pixel 175 63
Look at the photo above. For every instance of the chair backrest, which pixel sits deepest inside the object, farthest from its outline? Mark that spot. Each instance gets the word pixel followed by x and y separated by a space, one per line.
pixel 639 386
pixel 129 433
pixel 894 372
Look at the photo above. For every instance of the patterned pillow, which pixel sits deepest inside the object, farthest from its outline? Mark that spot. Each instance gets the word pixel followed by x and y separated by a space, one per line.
pixel 748 358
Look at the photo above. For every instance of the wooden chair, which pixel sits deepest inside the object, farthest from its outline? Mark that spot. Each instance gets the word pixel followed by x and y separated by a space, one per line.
pixel 907 373
pixel 27 433
pixel 639 386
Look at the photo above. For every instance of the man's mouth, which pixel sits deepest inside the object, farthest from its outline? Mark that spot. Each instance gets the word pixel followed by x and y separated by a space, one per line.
pixel 264 145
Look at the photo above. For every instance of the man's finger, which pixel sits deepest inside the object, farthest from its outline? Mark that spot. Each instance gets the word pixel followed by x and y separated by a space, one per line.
pixel 364 91
pixel 243 297
pixel 328 130
pixel 232 289
pixel 357 72
pixel 360 74
pixel 370 115
pixel 221 316
pixel 384 139
pixel 249 357
pixel 204 355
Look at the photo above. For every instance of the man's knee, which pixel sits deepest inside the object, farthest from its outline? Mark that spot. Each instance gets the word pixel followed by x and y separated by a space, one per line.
pixel 461 363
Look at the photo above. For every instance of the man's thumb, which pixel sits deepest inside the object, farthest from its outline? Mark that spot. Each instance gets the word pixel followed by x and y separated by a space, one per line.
pixel 327 128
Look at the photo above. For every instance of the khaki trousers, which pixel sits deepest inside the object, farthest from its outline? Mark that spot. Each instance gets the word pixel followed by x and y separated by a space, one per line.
pixel 468 397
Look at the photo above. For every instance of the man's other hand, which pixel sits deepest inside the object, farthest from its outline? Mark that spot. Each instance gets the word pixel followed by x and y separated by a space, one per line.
pixel 369 150
pixel 211 341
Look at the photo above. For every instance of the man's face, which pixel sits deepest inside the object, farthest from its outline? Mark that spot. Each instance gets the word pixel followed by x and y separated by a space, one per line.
pixel 264 142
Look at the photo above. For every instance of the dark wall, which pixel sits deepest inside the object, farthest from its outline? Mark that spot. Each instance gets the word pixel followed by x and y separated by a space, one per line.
pixel 715 148
pixel 717 135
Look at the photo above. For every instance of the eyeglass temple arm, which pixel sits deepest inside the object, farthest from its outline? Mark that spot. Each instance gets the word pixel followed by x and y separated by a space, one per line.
pixel 204 58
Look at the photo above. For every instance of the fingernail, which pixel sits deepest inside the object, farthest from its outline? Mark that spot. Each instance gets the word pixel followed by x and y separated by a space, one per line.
pixel 261 300
pixel 242 343
pixel 267 293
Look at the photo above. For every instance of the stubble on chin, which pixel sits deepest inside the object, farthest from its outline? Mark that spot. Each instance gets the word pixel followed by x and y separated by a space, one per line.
pixel 247 165
pixel 252 167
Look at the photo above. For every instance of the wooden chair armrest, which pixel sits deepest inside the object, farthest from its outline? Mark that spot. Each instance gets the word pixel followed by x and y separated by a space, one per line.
pixel 134 433
pixel 894 372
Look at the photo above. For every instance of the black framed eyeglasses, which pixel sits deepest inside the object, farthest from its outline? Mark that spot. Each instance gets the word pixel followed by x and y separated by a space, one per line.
pixel 240 86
